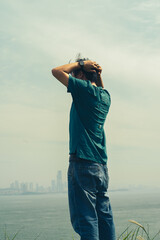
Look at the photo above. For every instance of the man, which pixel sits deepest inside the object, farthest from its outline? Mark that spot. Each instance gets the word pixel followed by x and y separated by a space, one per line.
pixel 90 209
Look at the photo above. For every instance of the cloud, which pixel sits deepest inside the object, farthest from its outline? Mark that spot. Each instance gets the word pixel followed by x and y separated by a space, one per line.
pixel 121 36
pixel 131 59
pixel 31 123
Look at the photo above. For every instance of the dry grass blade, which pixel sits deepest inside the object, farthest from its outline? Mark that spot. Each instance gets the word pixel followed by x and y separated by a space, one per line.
pixel 140 238
pixel 138 224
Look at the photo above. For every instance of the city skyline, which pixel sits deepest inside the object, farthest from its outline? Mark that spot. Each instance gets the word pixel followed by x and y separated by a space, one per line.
pixel 56 185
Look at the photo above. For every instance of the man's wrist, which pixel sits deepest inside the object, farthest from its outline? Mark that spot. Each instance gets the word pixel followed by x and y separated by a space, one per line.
pixel 72 66
pixel 81 64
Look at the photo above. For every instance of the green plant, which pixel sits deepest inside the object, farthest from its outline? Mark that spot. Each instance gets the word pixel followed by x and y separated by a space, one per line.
pixel 134 234
pixel 139 233
pixel 6 237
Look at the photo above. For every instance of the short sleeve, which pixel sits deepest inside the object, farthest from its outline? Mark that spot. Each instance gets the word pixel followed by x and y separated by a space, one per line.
pixel 77 87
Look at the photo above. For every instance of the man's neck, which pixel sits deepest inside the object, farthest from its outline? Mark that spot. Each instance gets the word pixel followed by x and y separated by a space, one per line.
pixel 93 83
pixel 84 78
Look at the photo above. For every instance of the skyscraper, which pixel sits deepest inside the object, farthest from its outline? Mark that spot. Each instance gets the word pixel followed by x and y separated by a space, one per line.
pixel 59 182
pixel 16 185
pixel 31 187
pixel 53 186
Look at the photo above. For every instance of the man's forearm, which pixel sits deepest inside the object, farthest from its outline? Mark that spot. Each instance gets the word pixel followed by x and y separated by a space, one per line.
pixel 62 72
pixel 67 68
pixel 99 81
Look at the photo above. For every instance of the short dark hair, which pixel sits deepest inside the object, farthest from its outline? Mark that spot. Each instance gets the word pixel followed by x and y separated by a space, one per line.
pixel 91 76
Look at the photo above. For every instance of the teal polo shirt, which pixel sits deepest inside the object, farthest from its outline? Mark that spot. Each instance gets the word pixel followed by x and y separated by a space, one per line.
pixel 88 113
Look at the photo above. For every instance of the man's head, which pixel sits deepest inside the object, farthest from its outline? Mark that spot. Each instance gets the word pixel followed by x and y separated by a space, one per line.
pixel 81 74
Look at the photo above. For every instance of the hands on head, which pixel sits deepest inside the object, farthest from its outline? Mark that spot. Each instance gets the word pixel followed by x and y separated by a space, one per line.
pixel 91 66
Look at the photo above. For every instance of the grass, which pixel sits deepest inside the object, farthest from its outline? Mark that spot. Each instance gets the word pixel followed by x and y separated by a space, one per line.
pixel 6 236
pixel 138 233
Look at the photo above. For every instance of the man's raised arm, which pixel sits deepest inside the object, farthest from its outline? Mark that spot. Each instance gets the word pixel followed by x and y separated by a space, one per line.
pixel 62 72
pixel 99 78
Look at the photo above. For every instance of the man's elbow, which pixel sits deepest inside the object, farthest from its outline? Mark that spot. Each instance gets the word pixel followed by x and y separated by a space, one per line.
pixel 54 72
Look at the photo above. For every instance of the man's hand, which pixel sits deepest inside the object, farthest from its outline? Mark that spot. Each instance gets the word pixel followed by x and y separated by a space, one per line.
pixel 91 66
pixel 99 70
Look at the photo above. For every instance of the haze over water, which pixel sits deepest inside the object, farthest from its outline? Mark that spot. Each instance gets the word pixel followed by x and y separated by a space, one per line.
pixel 48 214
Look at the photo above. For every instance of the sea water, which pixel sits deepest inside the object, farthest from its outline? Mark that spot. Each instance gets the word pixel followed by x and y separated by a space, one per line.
pixel 47 216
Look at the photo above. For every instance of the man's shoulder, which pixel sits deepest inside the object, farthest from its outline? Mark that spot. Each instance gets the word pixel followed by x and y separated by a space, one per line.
pixel 106 91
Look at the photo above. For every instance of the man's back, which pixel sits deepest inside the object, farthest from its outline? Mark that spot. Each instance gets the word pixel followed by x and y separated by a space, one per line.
pixel 87 117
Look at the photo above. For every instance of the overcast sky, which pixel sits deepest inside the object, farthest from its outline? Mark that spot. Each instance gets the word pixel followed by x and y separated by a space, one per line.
pixel 123 37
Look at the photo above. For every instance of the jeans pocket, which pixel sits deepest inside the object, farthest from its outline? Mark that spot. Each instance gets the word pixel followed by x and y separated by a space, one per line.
pixel 87 178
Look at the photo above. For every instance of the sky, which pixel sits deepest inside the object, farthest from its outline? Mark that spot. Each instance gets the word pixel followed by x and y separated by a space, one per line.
pixel 36 36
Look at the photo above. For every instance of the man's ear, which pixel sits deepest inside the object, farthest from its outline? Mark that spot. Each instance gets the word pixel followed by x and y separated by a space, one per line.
pixel 80 75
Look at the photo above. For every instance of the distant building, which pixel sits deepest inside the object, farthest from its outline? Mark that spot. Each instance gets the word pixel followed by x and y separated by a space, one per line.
pixel 41 189
pixel 12 186
pixel 57 185
pixel 16 185
pixel 59 182
pixel 24 187
pixel 31 187
pixel 37 187
pixel 53 186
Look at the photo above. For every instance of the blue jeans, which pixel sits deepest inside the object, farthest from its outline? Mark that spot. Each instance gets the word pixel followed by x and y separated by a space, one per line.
pixel 89 205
